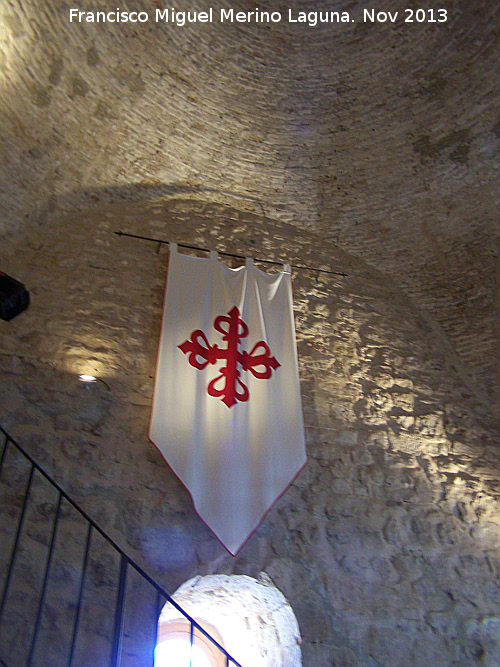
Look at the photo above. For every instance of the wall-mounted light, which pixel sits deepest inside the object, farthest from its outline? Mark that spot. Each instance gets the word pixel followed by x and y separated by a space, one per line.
pixel 89 379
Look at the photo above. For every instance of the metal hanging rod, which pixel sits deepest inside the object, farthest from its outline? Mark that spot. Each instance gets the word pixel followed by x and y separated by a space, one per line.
pixel 230 254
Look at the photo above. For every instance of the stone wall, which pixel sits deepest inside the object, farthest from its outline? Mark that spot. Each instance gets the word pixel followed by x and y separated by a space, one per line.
pixel 383 139
pixel 387 546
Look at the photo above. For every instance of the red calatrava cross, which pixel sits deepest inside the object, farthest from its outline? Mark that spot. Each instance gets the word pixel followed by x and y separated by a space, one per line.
pixel 228 384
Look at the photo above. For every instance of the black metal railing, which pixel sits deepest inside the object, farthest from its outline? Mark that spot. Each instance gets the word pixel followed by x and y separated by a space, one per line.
pixel 69 596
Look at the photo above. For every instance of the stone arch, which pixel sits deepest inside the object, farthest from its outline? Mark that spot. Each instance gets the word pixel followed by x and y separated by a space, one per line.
pixel 249 617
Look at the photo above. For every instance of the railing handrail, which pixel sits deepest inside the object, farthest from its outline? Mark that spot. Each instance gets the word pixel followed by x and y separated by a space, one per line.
pixel 159 589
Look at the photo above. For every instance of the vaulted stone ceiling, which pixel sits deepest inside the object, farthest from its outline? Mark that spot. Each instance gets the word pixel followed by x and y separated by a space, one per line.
pixel 382 139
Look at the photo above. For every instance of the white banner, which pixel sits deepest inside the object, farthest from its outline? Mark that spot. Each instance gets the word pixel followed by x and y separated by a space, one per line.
pixel 227 413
